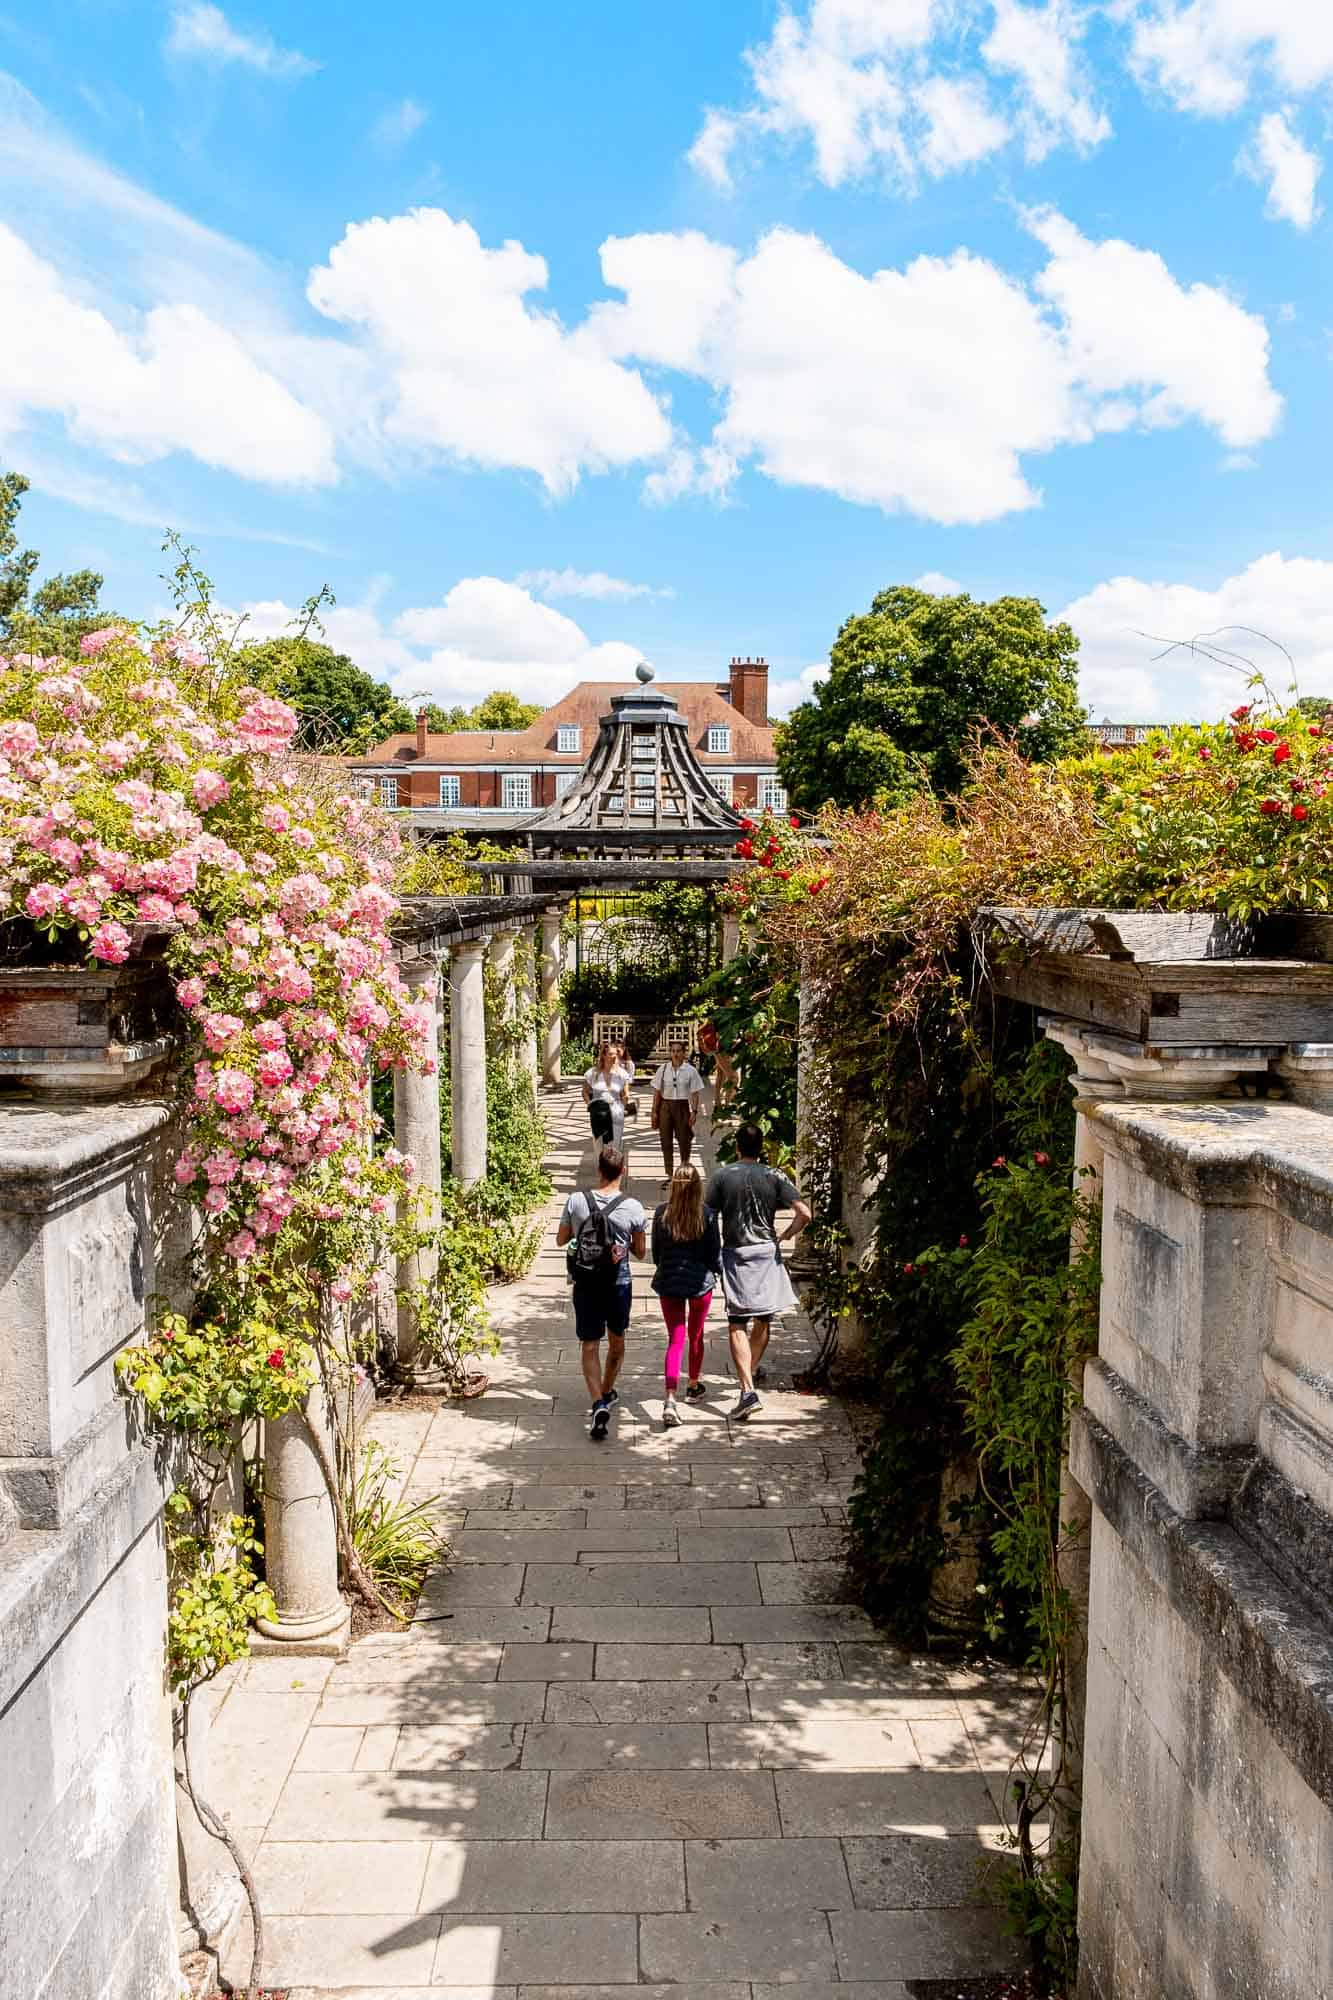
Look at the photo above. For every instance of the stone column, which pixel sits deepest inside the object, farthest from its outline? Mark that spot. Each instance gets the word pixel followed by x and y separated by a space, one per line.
pixel 503 961
pixel 467 1060
pixel 416 1130
pixel 301 1536
pixel 526 964
pixel 1092 1082
pixel 1307 1070
pixel 551 968
pixel 731 936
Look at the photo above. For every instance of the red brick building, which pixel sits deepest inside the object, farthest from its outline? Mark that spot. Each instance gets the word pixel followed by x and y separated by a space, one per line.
pixel 521 770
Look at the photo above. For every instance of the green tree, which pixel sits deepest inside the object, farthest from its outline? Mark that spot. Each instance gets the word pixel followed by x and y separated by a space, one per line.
pixel 498 710
pixel 340 706
pixel 911 678
pixel 56 615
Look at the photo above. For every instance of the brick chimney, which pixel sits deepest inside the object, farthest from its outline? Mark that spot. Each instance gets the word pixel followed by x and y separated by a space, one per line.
pixel 748 682
pixel 421 732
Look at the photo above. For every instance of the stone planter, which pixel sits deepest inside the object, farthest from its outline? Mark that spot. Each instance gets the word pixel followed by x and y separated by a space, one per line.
pixel 75 1030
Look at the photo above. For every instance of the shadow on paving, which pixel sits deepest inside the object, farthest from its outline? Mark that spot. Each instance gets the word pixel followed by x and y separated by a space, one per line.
pixel 640 1738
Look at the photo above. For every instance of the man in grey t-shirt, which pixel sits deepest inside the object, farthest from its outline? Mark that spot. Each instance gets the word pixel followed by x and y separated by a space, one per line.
pixel 747 1196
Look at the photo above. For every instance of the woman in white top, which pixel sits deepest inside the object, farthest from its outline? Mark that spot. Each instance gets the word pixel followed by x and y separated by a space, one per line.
pixel 604 1088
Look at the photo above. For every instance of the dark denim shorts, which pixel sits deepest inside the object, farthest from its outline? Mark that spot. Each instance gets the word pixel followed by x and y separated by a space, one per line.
pixel 601 1309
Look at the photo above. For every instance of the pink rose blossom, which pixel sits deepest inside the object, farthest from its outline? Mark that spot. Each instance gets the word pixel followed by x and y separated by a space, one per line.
pixel 241 1245
pixel 41 899
pixel 210 788
pixel 111 944
pixel 221 1029
pixel 233 1091
pixel 190 992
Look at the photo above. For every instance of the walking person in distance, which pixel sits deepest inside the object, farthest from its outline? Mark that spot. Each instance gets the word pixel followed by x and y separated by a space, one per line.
pixel 747 1196
pixel 600 1229
pixel 678 1092
pixel 687 1248
pixel 605 1087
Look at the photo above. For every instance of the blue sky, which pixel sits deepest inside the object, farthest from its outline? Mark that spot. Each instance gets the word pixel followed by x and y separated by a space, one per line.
pixel 554 337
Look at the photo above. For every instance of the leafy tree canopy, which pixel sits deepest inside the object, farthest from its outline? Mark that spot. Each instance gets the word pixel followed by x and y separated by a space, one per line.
pixel 53 617
pixel 340 706
pixel 911 678
pixel 498 710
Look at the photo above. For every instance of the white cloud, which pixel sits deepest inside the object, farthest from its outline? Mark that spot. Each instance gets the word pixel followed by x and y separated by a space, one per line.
pixel 467 367
pixel 784 695
pixel 1144 348
pixel 177 381
pixel 961 128
pixel 924 388
pixel 1207 55
pixel 1125 624
pixel 203 33
pixel 401 122
pixel 1276 157
pixel 1037 45
pixel 937 584
pixel 586 583
pixel 856 79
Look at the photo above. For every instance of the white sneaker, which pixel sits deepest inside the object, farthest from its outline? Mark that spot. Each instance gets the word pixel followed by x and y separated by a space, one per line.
pixel 670 1414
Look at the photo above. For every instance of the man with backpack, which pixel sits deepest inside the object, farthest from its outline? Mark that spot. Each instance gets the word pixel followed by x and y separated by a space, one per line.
pixel 599 1230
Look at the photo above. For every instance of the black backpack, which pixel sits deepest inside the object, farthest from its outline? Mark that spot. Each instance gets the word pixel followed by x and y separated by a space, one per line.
pixel 590 1255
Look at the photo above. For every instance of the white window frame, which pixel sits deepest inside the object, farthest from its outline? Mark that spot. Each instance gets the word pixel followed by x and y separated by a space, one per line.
pixel 454 786
pixel 565 781
pixel 721 783
pixel 719 739
pixel 387 793
pixel 772 796
pixel 516 791
pixel 568 738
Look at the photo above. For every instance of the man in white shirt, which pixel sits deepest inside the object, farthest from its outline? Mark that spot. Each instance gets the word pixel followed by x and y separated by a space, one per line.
pixel 678 1092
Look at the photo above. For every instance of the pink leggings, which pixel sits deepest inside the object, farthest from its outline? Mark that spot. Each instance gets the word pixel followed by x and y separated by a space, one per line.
pixel 674 1312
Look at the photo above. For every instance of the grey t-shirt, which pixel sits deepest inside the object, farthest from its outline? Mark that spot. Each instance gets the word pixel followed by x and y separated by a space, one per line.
pixel 747 1195
pixel 620 1224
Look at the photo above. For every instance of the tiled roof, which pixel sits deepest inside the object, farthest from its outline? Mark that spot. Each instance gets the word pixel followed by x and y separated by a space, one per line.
pixel 584 705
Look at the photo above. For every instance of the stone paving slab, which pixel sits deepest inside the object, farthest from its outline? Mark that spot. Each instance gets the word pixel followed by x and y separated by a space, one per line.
pixel 569 1660
pixel 840 1742
pixel 669 1662
pixel 791 1946
pixel 648 1624
pixel 661 1805
pixel 727 1876
pixel 471 1702
pixel 358 1805
pixel 523 1945
pixel 647 1701
pixel 340 1877
pixel 910 1871
pixel 922 1944
pixel 339 1950
pixel 651 1746
pixel 616 1582
pixel 838 1802
pixel 554 1876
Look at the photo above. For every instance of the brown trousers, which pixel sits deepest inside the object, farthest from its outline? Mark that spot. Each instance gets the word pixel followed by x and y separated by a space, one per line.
pixel 673 1126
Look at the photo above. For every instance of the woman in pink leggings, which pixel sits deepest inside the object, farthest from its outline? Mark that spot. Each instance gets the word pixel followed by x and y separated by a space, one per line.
pixel 687 1250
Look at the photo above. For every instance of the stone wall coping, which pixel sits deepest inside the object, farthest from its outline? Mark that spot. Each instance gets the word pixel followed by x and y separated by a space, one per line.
pixel 1226 1151
pixel 49 1575
pixel 49 1153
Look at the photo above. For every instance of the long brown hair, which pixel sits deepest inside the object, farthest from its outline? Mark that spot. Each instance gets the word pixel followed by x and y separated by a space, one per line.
pixel 685 1205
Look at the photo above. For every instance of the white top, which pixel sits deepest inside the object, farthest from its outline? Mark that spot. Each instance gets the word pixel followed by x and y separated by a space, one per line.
pixel 613 1086
pixel 678 1085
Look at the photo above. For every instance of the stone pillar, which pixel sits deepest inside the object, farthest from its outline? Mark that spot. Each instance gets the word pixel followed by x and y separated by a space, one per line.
pixel 467 1060
pixel 731 936
pixel 551 968
pixel 526 964
pixel 301 1536
pixel 503 962
pixel 416 1130
pixel 1307 1070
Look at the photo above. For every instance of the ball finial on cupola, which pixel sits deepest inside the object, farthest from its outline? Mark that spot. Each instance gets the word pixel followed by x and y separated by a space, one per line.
pixel 644 672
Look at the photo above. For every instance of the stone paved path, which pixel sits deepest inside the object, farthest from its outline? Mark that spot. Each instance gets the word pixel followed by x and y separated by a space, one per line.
pixel 653 1749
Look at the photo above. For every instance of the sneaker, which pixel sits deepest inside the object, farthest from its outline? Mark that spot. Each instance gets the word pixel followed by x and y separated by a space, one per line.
pixel 601 1421
pixel 611 1398
pixel 696 1392
pixel 746 1407
pixel 670 1414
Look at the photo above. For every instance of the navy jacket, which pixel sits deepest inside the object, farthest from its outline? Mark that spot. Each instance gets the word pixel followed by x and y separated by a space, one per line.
pixel 685 1270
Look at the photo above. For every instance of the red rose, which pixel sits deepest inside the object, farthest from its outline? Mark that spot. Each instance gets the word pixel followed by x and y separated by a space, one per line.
pixel 1041 1159
pixel 783 874
pixel 1316 729
pixel 908 1270
pixel 745 848
pixel 1244 741
pixel 747 826
pixel 1204 751
pixel 999 1161
pixel 1300 812
pixel 275 1358
pixel 1239 714
pixel 1266 735
pixel 816 887
pixel 962 1243
pixel 1296 784
pixel 1270 805
pixel 1281 754
pixel 794 822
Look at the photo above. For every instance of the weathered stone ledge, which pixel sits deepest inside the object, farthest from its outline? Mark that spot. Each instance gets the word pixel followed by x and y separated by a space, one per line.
pixel 1228 1151
pixel 49 1155
pixel 1265 1639
pixel 1198 1484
